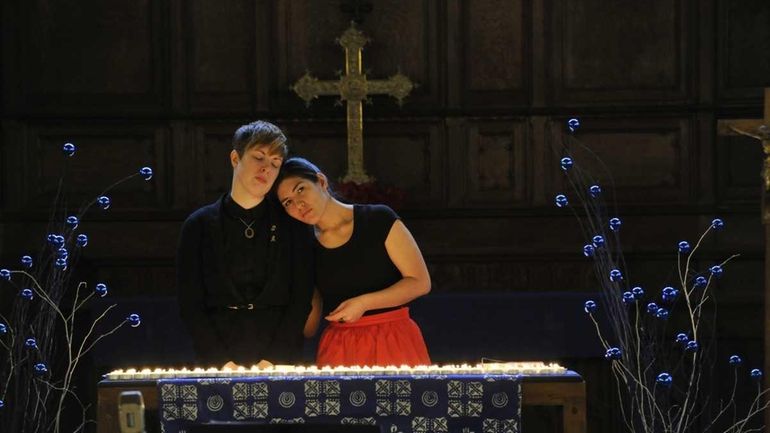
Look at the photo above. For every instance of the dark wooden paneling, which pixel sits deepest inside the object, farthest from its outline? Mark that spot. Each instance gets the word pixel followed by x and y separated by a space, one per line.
pixel 648 160
pixel 495 52
pixel 403 37
pixel 743 39
pixel 105 154
pixel 213 172
pixel 221 55
pixel 92 57
pixel 623 51
pixel 498 164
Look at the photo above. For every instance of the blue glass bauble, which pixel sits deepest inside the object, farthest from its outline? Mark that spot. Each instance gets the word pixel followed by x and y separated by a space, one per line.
pixel 616 275
pixel 628 298
pixel 665 380
pixel 613 353
pixel 595 191
pixel 104 202
pixel 68 149
pixel 561 200
pixel 590 307
pixel 134 320
pixel 652 308
pixel 146 173
pixel 573 124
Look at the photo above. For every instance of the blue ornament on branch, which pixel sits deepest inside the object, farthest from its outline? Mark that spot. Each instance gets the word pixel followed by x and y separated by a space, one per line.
pixel 669 294
pixel 682 338
pixel 665 380
pixel 56 240
pixel 134 320
pixel 638 292
pixel 616 275
pixel 27 294
pixel 684 247
pixel 691 346
pixel 566 163
pixel 30 343
pixel 62 253
pixel 652 308
pixel 615 224
pixel 700 282
pixel 573 124
pixel 716 271
pixel 68 149
pixel 613 353
pixel 104 202
pixel 590 307
pixel 72 222
pixel 146 173
pixel 41 369
pixel 2 404
pixel 101 290
pixel 662 314
pixel 61 264
pixel 735 360
pixel 756 374
pixel 5 274
pixel 717 224
pixel 82 240
pixel 561 200
pixel 588 250
pixel 595 191
pixel 598 241
pixel 3 329
pixel 628 298
pixel 26 261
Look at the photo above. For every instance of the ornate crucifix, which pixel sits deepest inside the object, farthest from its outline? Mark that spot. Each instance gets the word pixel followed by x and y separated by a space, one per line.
pixel 760 130
pixel 353 88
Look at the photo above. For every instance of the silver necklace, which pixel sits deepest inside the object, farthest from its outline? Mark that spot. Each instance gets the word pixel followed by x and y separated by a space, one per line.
pixel 249 232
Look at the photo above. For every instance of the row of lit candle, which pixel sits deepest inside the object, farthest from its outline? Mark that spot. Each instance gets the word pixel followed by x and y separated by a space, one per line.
pixel 523 368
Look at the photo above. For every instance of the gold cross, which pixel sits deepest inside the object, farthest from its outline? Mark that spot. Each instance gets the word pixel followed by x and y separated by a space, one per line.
pixel 353 87
pixel 760 130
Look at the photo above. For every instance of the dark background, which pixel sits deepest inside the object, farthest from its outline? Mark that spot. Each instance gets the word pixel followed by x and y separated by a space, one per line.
pixel 165 83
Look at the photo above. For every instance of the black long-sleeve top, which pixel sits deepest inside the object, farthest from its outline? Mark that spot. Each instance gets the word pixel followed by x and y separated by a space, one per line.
pixel 214 274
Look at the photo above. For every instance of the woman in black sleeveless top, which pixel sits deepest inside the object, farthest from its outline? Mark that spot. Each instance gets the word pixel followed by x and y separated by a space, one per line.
pixel 368 267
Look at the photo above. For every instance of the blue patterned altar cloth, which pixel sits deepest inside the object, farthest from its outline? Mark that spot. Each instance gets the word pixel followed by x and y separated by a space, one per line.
pixel 488 403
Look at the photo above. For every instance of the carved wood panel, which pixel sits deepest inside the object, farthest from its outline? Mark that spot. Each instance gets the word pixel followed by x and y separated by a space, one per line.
pixel 222 54
pixel 495 52
pixel 105 57
pixel 743 43
pixel 739 168
pixel 620 51
pixel 497 164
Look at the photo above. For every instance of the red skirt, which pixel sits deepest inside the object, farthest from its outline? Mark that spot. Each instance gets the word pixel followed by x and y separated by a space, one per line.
pixel 389 338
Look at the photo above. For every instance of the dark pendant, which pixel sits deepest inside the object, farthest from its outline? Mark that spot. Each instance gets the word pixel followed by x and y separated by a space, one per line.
pixel 249 232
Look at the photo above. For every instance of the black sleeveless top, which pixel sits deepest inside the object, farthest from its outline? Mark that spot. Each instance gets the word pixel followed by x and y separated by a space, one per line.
pixel 360 265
